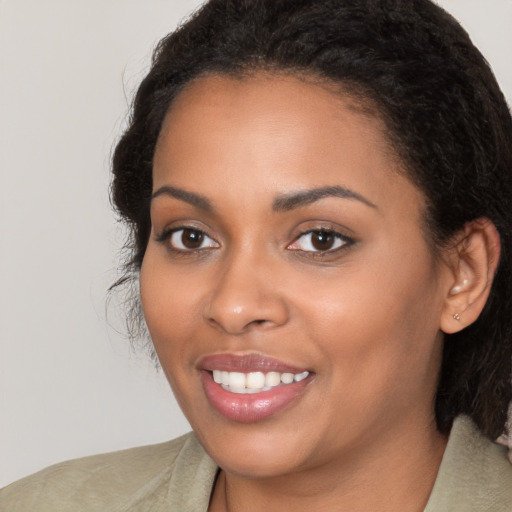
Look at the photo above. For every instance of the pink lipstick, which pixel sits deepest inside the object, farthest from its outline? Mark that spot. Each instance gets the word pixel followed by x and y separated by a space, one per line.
pixel 250 388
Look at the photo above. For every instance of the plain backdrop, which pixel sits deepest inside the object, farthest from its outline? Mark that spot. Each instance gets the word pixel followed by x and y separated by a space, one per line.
pixel 69 383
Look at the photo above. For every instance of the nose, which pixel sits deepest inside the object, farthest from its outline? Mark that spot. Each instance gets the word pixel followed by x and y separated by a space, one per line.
pixel 244 298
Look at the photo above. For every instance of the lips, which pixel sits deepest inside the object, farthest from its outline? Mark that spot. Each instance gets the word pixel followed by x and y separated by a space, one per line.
pixel 251 388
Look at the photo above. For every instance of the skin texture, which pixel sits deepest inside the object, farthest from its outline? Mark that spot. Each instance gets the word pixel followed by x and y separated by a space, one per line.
pixel 365 318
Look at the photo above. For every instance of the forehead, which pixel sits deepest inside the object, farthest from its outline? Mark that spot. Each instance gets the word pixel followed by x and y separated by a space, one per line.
pixel 274 133
pixel 269 98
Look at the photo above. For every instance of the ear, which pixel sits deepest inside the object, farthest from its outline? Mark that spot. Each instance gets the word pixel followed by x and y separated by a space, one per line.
pixel 473 262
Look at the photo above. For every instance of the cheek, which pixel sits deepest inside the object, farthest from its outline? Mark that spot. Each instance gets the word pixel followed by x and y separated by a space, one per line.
pixel 172 310
pixel 379 315
pixel 171 306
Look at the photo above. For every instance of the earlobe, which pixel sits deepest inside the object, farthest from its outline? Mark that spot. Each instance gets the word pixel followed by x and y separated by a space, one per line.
pixel 473 262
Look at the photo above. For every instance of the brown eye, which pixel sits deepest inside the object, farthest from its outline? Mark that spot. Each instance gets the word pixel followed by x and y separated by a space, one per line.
pixel 189 239
pixel 320 240
pixel 192 239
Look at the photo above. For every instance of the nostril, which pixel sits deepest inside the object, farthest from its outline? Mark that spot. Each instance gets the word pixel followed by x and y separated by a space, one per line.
pixel 258 322
pixel 236 314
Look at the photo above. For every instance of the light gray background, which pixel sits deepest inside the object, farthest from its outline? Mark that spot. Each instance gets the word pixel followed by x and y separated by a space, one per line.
pixel 69 385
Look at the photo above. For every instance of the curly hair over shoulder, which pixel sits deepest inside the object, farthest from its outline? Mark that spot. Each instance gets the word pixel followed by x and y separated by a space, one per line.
pixel 445 116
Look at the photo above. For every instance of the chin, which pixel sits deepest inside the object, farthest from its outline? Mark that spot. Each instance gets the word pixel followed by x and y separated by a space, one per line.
pixel 255 450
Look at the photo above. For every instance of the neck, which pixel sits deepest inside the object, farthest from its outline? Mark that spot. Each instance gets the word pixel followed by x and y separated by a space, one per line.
pixel 386 474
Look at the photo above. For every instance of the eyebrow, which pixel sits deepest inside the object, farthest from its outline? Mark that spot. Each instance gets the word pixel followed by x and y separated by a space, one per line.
pixel 282 203
pixel 288 202
pixel 192 198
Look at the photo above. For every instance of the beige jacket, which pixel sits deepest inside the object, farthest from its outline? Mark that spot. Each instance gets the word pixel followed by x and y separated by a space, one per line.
pixel 178 476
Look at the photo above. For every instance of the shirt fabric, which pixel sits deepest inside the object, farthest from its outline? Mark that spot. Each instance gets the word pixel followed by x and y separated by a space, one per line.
pixel 178 476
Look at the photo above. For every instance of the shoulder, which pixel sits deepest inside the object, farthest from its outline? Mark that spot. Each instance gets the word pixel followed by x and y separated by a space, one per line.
pixel 475 474
pixel 133 479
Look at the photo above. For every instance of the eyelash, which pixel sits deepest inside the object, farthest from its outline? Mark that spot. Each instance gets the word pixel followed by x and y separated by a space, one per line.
pixel 343 241
pixel 167 236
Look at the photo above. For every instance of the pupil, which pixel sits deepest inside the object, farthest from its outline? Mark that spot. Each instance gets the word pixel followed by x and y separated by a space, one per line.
pixel 322 240
pixel 192 239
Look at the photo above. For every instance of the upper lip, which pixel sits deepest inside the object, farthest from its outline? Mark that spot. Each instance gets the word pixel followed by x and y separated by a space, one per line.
pixel 246 363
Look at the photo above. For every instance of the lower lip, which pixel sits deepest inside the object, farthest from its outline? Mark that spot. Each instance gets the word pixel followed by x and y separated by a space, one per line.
pixel 250 408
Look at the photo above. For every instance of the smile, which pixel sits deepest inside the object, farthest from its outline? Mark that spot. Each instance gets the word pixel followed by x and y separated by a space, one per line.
pixel 255 382
pixel 251 388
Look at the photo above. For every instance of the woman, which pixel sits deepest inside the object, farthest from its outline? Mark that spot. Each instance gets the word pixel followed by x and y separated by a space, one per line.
pixel 318 193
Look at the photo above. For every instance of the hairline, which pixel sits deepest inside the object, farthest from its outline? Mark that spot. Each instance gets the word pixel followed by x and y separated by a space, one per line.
pixel 355 98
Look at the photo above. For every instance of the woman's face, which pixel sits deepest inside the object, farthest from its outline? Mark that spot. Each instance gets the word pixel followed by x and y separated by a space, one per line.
pixel 287 260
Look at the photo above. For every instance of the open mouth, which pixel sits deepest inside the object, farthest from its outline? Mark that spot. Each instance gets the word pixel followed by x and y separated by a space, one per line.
pixel 253 396
pixel 255 382
pixel 252 387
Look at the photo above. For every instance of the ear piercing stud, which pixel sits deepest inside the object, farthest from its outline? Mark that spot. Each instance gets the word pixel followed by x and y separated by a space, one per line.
pixel 456 316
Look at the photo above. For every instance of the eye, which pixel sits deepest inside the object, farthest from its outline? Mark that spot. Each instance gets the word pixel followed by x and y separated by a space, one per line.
pixel 189 239
pixel 320 240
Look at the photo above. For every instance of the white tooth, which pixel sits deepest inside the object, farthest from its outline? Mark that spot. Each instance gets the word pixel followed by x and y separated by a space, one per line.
pixel 287 378
pixel 225 378
pixel 255 380
pixel 217 376
pixel 237 380
pixel 272 379
pixel 300 376
pixel 240 391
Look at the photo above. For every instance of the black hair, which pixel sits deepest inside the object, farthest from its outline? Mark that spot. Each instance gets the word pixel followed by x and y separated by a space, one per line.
pixel 445 116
